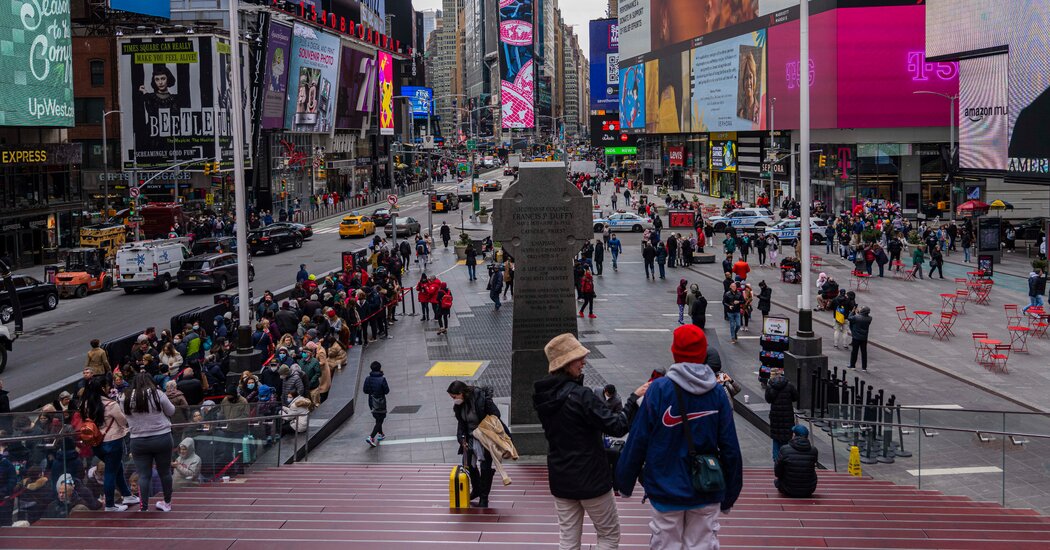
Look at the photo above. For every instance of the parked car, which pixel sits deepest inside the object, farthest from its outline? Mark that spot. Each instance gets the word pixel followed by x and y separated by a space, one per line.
pixel 1030 228
pixel 212 245
pixel 273 240
pixel 381 216
pixel 356 226
pixel 304 229
pixel 788 230
pixel 508 171
pixel 743 218
pixel 32 294
pixel 406 226
pixel 151 264
pixel 443 202
pixel 211 271
pixel 623 221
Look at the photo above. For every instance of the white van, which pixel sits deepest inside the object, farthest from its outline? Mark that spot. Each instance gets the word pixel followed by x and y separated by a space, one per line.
pixel 151 264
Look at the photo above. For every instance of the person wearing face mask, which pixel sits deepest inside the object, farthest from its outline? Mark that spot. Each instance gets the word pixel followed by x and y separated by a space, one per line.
pixel 574 420
pixel 219 327
pixel 268 376
pixel 471 405
pixel 249 387
pixel 311 369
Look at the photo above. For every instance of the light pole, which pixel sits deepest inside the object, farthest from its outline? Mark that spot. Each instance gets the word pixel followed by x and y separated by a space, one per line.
pixel 105 166
pixel 952 98
pixel 772 148
pixel 805 313
pixel 240 203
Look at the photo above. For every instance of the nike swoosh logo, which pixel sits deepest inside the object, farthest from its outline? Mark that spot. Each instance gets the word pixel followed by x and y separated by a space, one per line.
pixel 671 420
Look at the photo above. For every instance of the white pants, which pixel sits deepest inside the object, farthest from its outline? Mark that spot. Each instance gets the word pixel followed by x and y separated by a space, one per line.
pixel 841 331
pixel 695 529
pixel 601 510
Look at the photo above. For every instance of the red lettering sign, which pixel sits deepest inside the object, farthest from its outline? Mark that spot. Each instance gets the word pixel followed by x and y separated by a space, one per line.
pixel 677 156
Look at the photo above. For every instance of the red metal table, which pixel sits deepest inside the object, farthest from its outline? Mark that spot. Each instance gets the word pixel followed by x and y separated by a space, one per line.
pixel 922 318
pixel 987 346
pixel 1019 338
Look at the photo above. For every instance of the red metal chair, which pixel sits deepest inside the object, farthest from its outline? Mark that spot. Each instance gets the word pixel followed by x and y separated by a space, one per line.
pixel 999 356
pixel 943 330
pixel 978 348
pixel 1013 316
pixel 961 297
pixel 906 322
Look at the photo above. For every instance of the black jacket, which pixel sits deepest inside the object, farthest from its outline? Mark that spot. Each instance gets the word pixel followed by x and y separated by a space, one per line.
pixel 796 469
pixel 698 313
pixel 780 394
pixel 1037 285
pixel 765 300
pixel 859 325
pixel 574 420
pixel 475 407
pixel 287 321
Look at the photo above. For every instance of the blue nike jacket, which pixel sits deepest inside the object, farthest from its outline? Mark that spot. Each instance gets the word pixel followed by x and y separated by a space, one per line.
pixel 656 447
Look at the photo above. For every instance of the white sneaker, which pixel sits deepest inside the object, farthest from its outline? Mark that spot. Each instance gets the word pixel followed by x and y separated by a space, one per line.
pixel 116 508
pixel 127 501
pixel 163 506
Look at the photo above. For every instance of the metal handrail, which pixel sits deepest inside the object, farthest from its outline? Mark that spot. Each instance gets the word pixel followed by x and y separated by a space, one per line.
pixel 918 426
pixel 61 435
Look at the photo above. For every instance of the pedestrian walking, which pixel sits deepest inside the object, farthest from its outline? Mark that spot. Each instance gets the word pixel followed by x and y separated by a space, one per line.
pixel 599 257
pixel 472 262
pixel 917 260
pixel 148 411
pixel 471 405
pixel 376 388
pixel 747 306
pixel 780 394
pixel 446 233
pixel 698 307
pixel 649 260
pixel 760 247
pixel 108 416
pixel 495 284
pixel 732 301
pixel 936 261
pixel 508 275
pixel 682 298
pixel 574 420
pixel 674 449
pixel 859 325
pixel 423 295
pixel 615 248
pixel 765 299
pixel 1036 289
pixel 661 258
pixel 587 292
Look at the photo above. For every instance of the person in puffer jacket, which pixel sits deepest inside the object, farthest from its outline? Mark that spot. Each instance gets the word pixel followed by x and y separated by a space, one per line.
pixel 656 449
pixel 796 470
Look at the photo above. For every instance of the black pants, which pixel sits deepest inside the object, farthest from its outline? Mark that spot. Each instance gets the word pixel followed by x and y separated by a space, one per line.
pixel 862 347
pixel 378 428
pixel 588 301
pixel 761 256
pixel 598 266
pixel 426 311
pixel 650 269
pixel 437 309
pixel 148 452
pixel 442 318
pixel 481 479
pixel 938 268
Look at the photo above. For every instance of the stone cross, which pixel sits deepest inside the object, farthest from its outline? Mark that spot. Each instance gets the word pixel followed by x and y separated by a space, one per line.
pixel 542 221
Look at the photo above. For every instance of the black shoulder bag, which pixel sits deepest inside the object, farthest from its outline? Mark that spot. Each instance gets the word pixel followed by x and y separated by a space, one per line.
pixel 705 471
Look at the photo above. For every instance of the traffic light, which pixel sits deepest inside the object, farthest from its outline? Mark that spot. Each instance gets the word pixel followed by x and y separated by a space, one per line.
pixel 207 168
pixel 822 161
pixel 284 185
pixel 211 168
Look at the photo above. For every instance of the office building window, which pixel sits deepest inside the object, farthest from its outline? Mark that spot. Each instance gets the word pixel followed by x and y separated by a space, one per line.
pixel 98 73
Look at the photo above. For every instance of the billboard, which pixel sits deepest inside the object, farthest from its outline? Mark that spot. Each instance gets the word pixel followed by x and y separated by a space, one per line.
pixel 1029 150
pixel 786 74
pixel 729 84
pixel 516 71
pixel 36 65
pixel 314 71
pixel 275 83
pixel 983 114
pixel 357 90
pixel 176 95
pixel 385 74
pixel 651 25
pixel 963 26
pixel 605 64
pixel 606 132
pixel 881 63
pixel 421 100
pixel 632 99
pixel 156 8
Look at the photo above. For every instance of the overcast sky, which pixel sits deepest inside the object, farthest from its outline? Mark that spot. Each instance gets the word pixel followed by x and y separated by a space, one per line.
pixel 575 12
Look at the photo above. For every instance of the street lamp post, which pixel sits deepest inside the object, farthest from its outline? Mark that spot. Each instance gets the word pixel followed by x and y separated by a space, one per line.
pixel 105 166
pixel 772 147
pixel 805 314
pixel 952 98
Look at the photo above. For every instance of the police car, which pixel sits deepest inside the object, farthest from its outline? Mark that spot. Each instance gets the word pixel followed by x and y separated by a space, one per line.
pixel 788 230
pixel 623 221
pixel 743 218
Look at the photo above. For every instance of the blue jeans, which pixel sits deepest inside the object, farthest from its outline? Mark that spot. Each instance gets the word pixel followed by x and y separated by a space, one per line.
pixel 112 454
pixel 494 295
pixel 734 323
pixel 776 450
pixel 662 272
pixel 615 256
pixel 472 272
pixel 966 254
pixel 650 270
pixel 1034 301
pixel 681 313
pixel 828 245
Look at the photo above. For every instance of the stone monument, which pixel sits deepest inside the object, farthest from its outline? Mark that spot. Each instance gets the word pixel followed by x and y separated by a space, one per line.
pixel 542 221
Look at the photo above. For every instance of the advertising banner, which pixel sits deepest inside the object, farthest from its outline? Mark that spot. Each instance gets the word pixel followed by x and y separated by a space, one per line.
pixel 176 96
pixel 605 64
pixel 651 25
pixel 385 70
pixel 729 84
pixel 36 64
pixel 275 84
pixel 984 117
pixel 314 72
pixel 961 26
pixel 516 71
pixel 1029 150
pixel 357 90
pixel 634 21
pixel 156 8
pixel 421 100
pixel 667 94
pixel 786 74
pixel 723 156
pixel 632 97
pixel 224 107
pixel 676 156
pixel 605 132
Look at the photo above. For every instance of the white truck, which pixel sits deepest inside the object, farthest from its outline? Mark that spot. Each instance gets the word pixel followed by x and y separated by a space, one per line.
pixel 583 167
pixel 151 264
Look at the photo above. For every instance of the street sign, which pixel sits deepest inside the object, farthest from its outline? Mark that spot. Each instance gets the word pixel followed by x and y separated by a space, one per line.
pixel 133 191
pixel 472 144
pixel 135 219
pixel 392 199
pixel 621 150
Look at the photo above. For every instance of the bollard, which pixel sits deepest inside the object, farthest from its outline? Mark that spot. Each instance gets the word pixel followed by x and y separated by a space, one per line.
pixel 900 434
pixel 886 457
pixel 869 446
pixel 854 462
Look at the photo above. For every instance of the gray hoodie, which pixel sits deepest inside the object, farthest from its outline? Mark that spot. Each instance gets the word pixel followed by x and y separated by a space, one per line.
pixel 695 378
pixel 188 468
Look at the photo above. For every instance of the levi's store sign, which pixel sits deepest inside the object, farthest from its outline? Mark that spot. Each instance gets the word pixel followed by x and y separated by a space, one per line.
pixel 342 23
pixel 676 156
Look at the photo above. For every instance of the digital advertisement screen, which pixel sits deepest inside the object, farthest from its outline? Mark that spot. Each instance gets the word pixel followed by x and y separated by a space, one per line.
pixel 632 98
pixel 275 84
pixel 881 63
pixel 605 64
pixel 786 74
pixel 984 118
pixel 385 69
pixel 421 100
pixel 651 25
pixel 607 132
pixel 313 76
pixel 729 84
pixel 1029 150
pixel 516 70
pixel 156 8
pixel 961 26
pixel 357 90
pixel 667 94
pixel 36 65
pixel 723 156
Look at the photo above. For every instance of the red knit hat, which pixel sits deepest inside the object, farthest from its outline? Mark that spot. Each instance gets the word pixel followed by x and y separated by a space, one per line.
pixel 689 344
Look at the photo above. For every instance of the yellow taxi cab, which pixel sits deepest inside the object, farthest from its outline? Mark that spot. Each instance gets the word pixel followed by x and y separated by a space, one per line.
pixel 356 226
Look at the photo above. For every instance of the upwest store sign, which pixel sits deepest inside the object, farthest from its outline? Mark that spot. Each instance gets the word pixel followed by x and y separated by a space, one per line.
pixel 341 23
